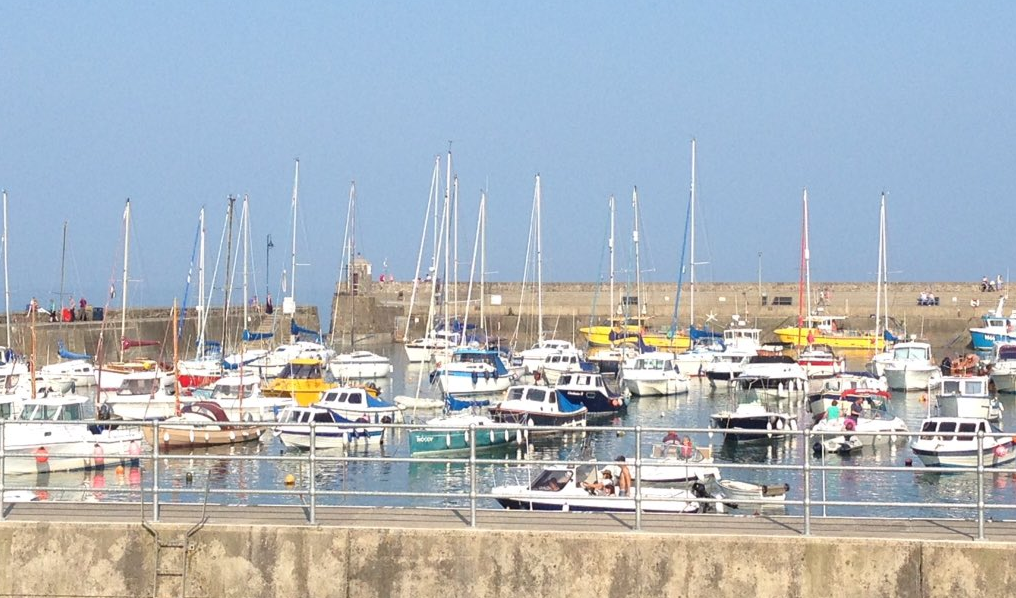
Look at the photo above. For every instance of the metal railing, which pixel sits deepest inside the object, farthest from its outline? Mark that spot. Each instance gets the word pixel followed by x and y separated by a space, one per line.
pixel 812 472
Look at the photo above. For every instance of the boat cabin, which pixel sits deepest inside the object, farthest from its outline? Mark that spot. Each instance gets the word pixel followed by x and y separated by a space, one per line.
pixel 954 429
pixel 965 386
pixel 303 369
pixel 585 380
pixel 747 338
pixel 306 415
pixel 663 362
pixel 912 352
pixel 534 394
pixel 144 384
pixel 232 389
pixel 559 360
pixel 58 409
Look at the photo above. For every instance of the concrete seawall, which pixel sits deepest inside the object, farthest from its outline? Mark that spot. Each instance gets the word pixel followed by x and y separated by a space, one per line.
pixel 383 308
pixel 67 559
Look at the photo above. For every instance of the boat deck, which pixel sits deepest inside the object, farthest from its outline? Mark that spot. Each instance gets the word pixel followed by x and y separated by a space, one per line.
pixel 501 520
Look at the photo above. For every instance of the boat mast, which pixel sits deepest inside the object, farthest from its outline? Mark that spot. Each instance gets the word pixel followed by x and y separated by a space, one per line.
pixel 201 283
pixel 447 240
pixel 63 259
pixel 7 287
pixel 691 234
pixel 226 296
pixel 350 252
pixel 539 258
pixel 245 232
pixel 614 308
pixel 882 294
pixel 483 256
pixel 807 258
pixel 635 239
pixel 292 273
pixel 126 264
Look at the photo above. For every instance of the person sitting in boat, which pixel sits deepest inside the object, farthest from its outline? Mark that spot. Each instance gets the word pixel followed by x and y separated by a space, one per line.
pixel 833 411
pixel 623 478
pixel 602 487
pixel 672 438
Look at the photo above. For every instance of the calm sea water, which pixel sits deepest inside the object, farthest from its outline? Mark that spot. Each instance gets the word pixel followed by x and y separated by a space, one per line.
pixel 185 476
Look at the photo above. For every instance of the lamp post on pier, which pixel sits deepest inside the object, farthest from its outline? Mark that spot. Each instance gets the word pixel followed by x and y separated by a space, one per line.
pixel 268 257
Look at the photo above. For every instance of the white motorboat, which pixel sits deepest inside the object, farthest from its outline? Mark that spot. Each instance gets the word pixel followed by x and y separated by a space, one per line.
pixel 144 395
pixel 678 463
pixel 473 371
pixel 81 372
pixel 820 361
pixel 768 396
pixel 748 494
pixel 727 365
pixel 877 424
pixel 833 388
pixel 653 374
pixel 556 365
pixel 1003 367
pixel 422 349
pixel 330 429
pixel 271 364
pixel 559 488
pixel 359 364
pixel 953 442
pixel 532 358
pixel 359 404
pixel 911 367
pixel 241 398
pixel 968 396
pixel 53 434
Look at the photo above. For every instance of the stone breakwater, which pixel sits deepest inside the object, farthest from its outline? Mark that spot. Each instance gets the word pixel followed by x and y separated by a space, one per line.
pixel 383 308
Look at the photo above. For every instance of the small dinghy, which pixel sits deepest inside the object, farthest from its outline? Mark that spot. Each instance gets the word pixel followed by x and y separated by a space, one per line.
pixel 752 494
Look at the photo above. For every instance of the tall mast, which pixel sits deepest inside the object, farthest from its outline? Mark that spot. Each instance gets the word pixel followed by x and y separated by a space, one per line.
pixel 245 233
pixel 230 206
pixel 610 250
pixel 635 240
pixel 882 280
pixel 292 272
pixel 691 235
pixel 126 264
pixel 7 287
pixel 350 252
pixel 63 259
pixel 807 255
pixel 539 257
pixel 201 282
pixel 483 255
pixel 447 239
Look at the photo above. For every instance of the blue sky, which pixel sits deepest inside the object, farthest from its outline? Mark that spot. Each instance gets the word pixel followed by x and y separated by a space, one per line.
pixel 177 105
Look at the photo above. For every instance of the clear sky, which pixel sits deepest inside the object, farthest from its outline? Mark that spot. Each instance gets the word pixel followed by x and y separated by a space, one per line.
pixel 177 105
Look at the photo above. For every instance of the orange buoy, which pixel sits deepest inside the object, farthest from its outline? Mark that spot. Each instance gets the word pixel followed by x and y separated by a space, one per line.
pixel 41 455
pixel 290 479
pixel 119 470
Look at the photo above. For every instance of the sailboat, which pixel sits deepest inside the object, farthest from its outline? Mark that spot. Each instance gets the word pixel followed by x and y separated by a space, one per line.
pixel 111 376
pixel 206 366
pixel 536 357
pixel 11 365
pixel 633 326
pixel 356 364
pixel 814 328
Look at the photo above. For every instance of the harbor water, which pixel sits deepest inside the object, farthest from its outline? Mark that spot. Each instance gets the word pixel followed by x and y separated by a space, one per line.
pixel 252 473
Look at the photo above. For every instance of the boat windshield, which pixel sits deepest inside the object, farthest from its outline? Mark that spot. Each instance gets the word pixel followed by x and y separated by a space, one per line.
pixel 232 391
pixel 6 410
pixel 301 371
pixel 911 353
pixel 38 413
pixel 552 480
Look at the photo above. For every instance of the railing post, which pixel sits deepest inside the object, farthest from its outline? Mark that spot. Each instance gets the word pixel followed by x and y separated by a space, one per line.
pixel 638 478
pixel 3 470
pixel 806 484
pixel 980 484
pixel 155 471
pixel 472 475
pixel 313 469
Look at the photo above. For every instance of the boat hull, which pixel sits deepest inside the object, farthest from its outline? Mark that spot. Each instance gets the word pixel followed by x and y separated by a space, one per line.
pixel 799 337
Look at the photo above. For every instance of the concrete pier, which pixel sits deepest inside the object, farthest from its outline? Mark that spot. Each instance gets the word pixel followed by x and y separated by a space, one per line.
pixel 103 550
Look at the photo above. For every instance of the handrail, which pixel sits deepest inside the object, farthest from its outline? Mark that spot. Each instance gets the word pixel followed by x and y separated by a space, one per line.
pixel 315 492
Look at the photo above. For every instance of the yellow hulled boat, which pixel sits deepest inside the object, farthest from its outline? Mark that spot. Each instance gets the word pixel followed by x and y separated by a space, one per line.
pixel 629 330
pixel 829 330
pixel 302 379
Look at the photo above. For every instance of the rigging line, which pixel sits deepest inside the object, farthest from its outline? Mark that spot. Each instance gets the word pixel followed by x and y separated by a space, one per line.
pixel 680 273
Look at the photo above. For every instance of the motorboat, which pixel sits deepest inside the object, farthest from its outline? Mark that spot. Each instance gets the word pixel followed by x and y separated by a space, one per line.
pixel 832 389
pixel 591 391
pixel 911 367
pixel 1003 367
pixel 422 349
pixel 202 423
pixel 820 361
pixel 954 442
pixel 240 396
pixel 53 433
pixel 736 343
pixel 828 330
pixel 968 396
pixel 459 431
pixel 302 379
pixel 608 360
pixel 557 364
pixel 533 405
pixel 531 359
pixel 768 395
pixel 110 377
pixel 996 327
pixel 727 365
pixel 739 494
pixel 361 404
pixel 359 364
pixel 301 426
pixel 877 424
pixel 473 371
pixel 653 374
pixel 276 363
pixel 80 372
pixel 144 395
pixel 675 462
pixel 559 488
